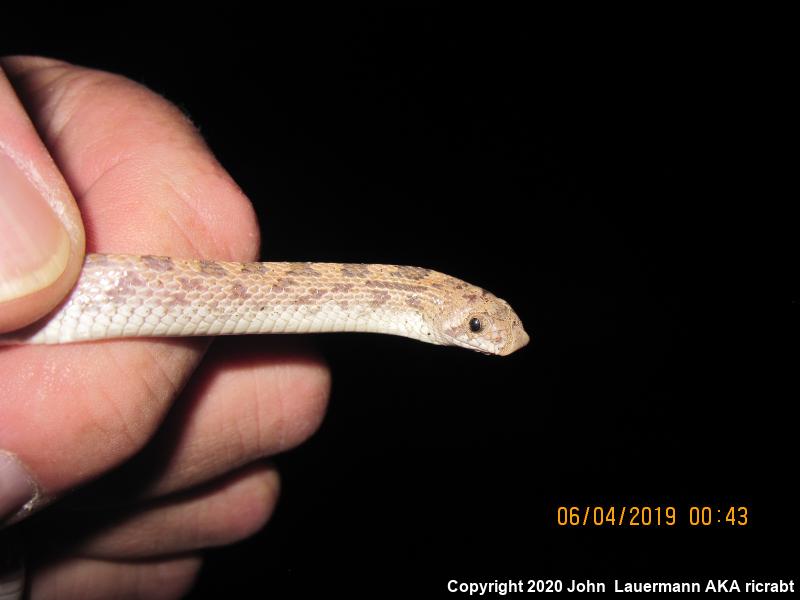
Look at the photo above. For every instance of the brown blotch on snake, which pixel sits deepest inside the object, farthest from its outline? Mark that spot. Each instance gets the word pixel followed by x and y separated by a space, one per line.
pixel 379 298
pixel 313 297
pixel 193 284
pixel 413 301
pixel 121 292
pixel 342 288
pixel 209 267
pixel 255 268
pixel 239 291
pixel 283 284
pixel 158 263
pixel 355 270
pixel 303 270
pixel 395 285
pixel 411 273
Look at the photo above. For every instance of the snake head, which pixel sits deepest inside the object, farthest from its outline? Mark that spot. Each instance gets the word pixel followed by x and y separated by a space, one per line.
pixel 480 321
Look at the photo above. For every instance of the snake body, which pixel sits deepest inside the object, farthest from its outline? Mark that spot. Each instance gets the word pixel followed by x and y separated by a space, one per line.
pixel 119 296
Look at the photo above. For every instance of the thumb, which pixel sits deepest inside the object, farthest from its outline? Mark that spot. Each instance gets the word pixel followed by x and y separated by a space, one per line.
pixel 41 235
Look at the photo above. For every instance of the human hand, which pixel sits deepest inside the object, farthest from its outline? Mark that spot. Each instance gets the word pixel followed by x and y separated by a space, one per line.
pixel 74 416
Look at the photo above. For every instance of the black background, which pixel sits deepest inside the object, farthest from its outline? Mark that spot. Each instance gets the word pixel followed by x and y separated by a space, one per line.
pixel 586 171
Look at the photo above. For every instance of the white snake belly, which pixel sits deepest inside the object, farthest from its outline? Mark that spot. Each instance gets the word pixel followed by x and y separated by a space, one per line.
pixel 155 296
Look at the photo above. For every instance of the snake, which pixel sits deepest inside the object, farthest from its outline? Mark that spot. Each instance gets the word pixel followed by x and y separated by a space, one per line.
pixel 144 296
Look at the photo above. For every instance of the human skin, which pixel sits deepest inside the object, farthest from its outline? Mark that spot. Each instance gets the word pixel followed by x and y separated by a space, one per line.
pixel 165 440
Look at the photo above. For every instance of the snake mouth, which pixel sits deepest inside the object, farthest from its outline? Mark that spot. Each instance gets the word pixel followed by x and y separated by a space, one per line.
pixel 518 339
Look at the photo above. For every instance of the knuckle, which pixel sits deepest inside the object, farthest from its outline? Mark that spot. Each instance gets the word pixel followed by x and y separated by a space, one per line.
pixel 302 397
pixel 169 579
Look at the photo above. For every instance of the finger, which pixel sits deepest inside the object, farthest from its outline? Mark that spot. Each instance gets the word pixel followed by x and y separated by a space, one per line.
pixel 230 510
pixel 12 575
pixel 251 398
pixel 41 235
pixel 96 579
pixel 145 183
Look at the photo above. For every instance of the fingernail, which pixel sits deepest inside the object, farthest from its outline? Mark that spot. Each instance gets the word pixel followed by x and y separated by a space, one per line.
pixel 16 487
pixel 34 246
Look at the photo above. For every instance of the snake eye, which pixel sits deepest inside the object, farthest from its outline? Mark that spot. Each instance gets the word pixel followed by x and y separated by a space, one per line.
pixel 475 325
